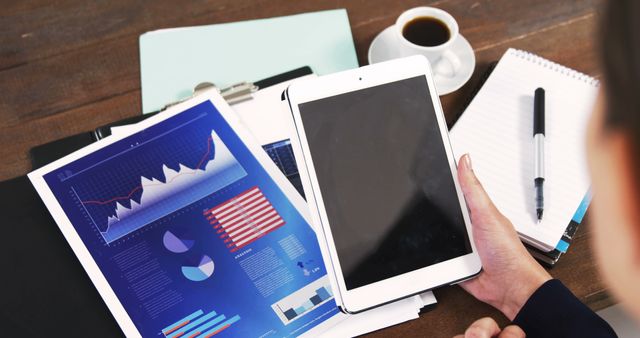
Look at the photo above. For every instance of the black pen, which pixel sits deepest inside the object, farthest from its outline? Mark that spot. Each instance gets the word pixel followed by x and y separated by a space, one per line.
pixel 538 138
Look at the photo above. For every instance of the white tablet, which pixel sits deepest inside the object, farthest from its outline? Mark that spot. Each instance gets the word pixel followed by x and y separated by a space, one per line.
pixel 381 182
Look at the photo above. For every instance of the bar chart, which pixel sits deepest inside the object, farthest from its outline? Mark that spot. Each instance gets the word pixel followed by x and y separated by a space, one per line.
pixel 199 324
pixel 244 219
pixel 303 301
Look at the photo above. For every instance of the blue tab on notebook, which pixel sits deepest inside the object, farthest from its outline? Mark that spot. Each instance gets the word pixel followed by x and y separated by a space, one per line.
pixel 582 209
pixel 563 245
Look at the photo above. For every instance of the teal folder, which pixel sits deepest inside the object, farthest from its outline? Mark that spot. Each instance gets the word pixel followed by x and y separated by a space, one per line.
pixel 173 61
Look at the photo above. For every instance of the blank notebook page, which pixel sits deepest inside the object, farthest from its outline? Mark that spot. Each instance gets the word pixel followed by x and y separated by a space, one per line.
pixel 497 131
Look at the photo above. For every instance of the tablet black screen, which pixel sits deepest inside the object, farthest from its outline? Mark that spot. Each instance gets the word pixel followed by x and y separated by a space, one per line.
pixel 385 180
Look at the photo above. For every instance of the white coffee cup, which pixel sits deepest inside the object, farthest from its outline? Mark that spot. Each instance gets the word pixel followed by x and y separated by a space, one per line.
pixel 443 61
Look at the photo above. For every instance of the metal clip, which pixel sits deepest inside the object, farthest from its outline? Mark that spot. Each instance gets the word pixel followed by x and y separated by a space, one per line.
pixel 236 93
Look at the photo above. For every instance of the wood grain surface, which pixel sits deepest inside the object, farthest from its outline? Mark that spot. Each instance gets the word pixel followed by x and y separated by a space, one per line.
pixel 71 66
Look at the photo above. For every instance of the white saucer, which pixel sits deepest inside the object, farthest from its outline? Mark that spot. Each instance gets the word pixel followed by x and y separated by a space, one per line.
pixel 385 47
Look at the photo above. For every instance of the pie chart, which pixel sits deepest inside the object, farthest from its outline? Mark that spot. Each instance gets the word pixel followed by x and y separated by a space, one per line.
pixel 199 269
pixel 177 241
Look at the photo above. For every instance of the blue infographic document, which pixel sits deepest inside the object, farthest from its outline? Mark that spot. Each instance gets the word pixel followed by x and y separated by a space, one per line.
pixel 192 235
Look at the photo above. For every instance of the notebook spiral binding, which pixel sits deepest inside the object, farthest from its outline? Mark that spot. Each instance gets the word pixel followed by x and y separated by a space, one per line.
pixel 555 67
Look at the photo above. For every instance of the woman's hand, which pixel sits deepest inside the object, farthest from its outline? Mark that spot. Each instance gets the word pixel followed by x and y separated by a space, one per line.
pixel 510 275
pixel 488 328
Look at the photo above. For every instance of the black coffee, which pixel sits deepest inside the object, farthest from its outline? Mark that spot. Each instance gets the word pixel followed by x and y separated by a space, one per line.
pixel 426 31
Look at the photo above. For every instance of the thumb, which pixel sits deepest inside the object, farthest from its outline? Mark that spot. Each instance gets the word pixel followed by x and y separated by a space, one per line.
pixel 512 331
pixel 479 203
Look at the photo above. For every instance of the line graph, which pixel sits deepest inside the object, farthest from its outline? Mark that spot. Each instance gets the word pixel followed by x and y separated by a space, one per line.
pixel 154 177
pixel 109 158
pixel 130 194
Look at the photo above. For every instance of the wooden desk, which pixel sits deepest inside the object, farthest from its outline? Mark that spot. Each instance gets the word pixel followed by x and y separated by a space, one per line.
pixel 73 66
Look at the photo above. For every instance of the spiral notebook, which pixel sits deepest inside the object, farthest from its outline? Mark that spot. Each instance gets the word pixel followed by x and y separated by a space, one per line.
pixel 497 130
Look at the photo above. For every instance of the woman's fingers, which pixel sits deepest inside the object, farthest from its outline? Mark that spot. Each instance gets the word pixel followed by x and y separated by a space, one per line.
pixel 488 328
pixel 482 328
pixel 512 331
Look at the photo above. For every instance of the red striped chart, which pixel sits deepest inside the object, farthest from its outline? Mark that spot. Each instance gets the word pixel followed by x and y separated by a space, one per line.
pixel 244 218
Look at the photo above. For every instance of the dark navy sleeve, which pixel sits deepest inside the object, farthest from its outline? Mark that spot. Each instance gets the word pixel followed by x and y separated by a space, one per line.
pixel 553 311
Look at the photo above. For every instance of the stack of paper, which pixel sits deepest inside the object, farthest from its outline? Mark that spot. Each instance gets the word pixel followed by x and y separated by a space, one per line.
pixel 174 60
pixel 269 123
